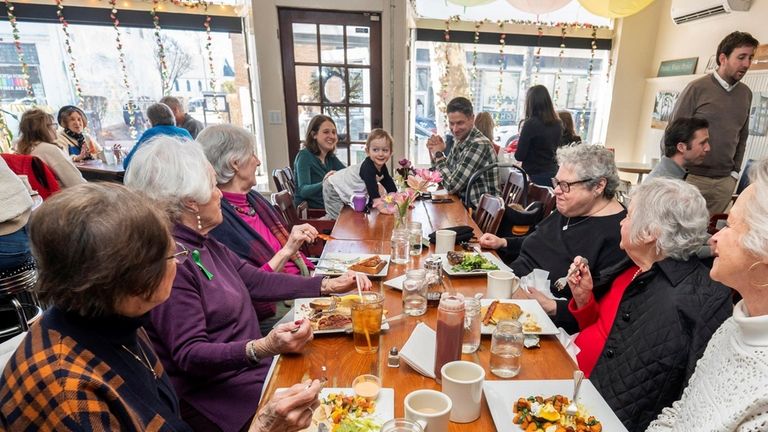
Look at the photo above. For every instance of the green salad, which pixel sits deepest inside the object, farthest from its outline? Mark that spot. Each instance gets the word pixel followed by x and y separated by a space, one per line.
pixel 474 261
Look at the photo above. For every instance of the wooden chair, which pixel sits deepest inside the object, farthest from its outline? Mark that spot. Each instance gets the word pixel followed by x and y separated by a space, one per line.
pixel 543 194
pixel 292 215
pixel 489 212
pixel 283 181
pixel 515 189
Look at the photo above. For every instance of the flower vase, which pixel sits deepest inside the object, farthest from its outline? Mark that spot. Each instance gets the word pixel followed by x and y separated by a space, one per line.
pixel 400 220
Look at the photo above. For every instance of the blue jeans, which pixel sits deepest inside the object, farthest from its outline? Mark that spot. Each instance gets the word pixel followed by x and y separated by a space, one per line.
pixel 14 249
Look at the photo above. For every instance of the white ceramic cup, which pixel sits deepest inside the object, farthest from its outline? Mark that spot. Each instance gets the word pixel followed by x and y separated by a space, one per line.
pixel 501 284
pixel 445 240
pixel 430 406
pixel 463 382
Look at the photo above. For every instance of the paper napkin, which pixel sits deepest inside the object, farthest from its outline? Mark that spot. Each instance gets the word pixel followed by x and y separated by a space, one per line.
pixel 419 350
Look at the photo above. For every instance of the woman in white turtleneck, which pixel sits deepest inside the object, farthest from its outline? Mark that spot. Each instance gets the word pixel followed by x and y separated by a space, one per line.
pixel 729 389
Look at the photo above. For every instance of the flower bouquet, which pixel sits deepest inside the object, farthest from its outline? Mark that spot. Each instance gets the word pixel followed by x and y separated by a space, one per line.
pixel 398 203
pixel 402 173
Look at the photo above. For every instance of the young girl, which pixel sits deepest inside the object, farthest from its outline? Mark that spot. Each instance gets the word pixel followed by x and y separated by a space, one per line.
pixel 371 175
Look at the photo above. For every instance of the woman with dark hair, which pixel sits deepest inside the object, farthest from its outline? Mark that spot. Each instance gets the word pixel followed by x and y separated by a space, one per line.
pixel 38 135
pixel 569 133
pixel 539 137
pixel 316 161
pixel 87 365
pixel 73 139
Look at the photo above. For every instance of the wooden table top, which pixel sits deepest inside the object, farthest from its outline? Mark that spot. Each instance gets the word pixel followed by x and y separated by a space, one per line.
pixel 633 167
pixel 96 170
pixel 343 363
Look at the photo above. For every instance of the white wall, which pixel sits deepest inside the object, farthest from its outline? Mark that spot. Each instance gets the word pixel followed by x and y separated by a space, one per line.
pixel 268 58
pixel 695 39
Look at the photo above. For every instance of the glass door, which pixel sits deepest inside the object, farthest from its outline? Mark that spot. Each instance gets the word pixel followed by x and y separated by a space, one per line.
pixel 332 66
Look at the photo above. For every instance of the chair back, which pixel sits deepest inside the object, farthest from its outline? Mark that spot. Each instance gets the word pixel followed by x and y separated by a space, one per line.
pixel 283 180
pixel 283 202
pixel 543 194
pixel 40 176
pixel 515 190
pixel 19 306
pixel 489 212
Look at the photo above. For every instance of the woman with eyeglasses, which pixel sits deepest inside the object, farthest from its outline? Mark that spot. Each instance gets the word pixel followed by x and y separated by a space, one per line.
pixel 207 334
pixel 585 223
pixel 37 138
pixel 87 364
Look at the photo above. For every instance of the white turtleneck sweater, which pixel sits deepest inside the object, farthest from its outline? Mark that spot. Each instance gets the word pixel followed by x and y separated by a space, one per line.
pixel 729 389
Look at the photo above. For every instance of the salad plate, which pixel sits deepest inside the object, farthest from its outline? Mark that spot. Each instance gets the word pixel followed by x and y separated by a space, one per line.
pixel 473 264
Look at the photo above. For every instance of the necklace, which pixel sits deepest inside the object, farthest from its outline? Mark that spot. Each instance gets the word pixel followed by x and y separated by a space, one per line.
pixel 249 211
pixel 568 222
pixel 144 362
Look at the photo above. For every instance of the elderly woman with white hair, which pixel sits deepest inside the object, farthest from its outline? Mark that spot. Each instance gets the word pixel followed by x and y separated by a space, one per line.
pixel 729 388
pixel 207 334
pixel 640 342
pixel 251 227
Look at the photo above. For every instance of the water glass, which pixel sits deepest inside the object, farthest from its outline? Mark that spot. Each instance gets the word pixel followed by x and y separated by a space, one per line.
pixel 507 349
pixel 400 246
pixel 470 342
pixel 402 425
pixel 415 292
pixel 415 233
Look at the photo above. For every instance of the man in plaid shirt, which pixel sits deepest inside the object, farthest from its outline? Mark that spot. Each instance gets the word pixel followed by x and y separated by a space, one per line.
pixel 471 151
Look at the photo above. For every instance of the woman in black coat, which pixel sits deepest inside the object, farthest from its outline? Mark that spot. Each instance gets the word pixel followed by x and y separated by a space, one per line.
pixel 539 137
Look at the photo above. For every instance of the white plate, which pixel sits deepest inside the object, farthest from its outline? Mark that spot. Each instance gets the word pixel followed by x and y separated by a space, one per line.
pixel 299 313
pixel 531 307
pixel 396 283
pixel 385 404
pixel 334 264
pixel 489 256
pixel 501 396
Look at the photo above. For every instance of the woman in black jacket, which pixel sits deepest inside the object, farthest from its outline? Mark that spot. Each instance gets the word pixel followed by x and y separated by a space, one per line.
pixel 539 137
pixel 640 341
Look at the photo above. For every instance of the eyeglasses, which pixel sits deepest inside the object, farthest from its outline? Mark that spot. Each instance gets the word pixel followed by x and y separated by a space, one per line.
pixel 566 186
pixel 181 255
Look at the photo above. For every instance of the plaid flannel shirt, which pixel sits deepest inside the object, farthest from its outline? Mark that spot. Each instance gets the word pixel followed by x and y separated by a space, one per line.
pixel 467 157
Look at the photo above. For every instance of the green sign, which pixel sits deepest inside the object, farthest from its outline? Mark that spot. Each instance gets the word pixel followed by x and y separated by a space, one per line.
pixel 686 66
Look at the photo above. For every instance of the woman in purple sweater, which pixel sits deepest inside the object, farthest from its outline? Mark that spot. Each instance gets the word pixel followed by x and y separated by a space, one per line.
pixel 207 333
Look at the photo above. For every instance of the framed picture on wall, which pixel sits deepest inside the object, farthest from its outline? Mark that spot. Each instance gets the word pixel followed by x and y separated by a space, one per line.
pixel 662 108
pixel 686 66
pixel 711 64
pixel 758 114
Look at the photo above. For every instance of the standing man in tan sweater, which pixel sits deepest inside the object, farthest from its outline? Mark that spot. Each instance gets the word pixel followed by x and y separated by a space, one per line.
pixel 724 102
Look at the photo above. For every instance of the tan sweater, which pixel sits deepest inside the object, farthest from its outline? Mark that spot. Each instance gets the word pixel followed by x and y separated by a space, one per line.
pixel 61 165
pixel 15 202
pixel 64 142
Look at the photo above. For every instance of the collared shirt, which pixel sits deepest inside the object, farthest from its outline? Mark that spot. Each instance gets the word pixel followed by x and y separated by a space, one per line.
pixel 466 158
pixel 667 168
pixel 724 83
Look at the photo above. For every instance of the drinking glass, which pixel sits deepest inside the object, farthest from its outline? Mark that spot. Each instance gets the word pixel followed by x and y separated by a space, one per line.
pixel 366 322
pixel 507 349
pixel 401 425
pixel 415 292
pixel 415 233
pixel 400 246
pixel 471 340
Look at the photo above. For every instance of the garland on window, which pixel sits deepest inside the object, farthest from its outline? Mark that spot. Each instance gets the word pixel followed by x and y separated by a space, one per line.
pixel 537 56
pixel 124 69
pixel 589 79
pixel 165 85
pixel 500 88
pixel 5 131
pixel 19 49
pixel 68 46
pixel 474 56
pixel 559 64
pixel 208 43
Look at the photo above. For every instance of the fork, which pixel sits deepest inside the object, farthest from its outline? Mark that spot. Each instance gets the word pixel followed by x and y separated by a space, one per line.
pixel 561 283
pixel 573 409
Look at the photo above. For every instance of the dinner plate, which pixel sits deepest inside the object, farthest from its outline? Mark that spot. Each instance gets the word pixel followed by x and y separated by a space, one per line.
pixel 528 306
pixel 300 312
pixel 334 264
pixel 396 283
pixel 489 256
pixel 385 404
pixel 502 395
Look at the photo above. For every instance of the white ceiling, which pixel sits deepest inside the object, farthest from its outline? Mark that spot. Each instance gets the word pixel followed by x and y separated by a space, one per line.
pixel 501 10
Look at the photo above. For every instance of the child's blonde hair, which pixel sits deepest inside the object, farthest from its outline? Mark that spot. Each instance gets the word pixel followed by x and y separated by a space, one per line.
pixel 379 133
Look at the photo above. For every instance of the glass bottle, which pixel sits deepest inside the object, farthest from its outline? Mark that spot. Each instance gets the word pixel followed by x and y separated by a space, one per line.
pixel 434 280
pixel 450 329
pixel 415 292
pixel 471 340
pixel 507 348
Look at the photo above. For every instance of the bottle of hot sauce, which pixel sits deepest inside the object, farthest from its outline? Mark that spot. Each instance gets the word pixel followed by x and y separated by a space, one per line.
pixel 450 329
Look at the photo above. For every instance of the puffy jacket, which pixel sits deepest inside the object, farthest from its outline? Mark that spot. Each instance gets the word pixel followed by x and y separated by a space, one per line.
pixel 663 324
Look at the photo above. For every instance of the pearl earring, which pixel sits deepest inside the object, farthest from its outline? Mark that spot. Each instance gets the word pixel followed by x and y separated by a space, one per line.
pixel 199 222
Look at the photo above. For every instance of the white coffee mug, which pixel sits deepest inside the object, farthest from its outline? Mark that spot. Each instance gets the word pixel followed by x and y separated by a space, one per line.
pixel 501 284
pixel 463 383
pixel 445 240
pixel 430 406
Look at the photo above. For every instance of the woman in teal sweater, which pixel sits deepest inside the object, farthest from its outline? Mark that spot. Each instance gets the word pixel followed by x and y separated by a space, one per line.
pixel 316 161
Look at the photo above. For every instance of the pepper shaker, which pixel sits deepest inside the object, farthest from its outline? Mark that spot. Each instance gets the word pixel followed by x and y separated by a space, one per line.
pixel 393 360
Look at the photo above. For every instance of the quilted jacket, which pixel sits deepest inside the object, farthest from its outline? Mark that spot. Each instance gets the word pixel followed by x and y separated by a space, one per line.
pixel 663 324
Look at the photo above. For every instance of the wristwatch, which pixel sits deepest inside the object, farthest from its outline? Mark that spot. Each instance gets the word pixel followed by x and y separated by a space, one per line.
pixel 439 156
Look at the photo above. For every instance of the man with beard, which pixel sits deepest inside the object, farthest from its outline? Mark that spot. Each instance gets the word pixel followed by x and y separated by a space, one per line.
pixel 686 143
pixel 724 103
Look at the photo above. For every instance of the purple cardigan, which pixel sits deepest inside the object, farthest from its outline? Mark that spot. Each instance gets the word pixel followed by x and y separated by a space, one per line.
pixel 200 332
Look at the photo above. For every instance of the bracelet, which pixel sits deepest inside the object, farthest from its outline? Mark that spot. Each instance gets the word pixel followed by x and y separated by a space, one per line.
pixel 250 352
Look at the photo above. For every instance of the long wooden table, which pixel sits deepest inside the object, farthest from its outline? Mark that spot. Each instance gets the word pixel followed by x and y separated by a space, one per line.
pixel 96 170
pixel 370 233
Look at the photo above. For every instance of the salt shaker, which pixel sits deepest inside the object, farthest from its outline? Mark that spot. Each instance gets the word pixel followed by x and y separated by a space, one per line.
pixel 393 359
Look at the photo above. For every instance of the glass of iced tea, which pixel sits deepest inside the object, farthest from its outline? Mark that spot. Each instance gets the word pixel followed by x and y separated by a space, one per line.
pixel 366 322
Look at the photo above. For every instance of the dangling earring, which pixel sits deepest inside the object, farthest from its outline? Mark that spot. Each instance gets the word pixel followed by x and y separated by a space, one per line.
pixel 199 222
pixel 750 278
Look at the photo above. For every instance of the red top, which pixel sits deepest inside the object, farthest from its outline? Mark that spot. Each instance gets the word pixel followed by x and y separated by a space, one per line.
pixel 596 319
